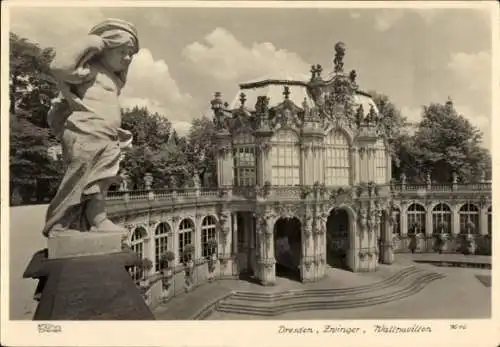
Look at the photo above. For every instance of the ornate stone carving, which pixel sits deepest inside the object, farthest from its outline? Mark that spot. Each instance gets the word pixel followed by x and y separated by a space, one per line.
pixel 363 217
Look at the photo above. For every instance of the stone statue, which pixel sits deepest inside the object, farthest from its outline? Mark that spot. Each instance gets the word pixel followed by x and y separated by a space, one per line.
pixel 86 118
pixel 338 61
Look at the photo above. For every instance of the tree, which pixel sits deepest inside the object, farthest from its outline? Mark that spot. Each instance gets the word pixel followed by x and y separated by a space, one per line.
pixel 157 149
pixel 395 127
pixel 201 151
pixel 31 86
pixel 446 142
pixel 31 167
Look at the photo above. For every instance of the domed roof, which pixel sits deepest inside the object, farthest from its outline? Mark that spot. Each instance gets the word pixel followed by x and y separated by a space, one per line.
pixel 364 99
pixel 273 86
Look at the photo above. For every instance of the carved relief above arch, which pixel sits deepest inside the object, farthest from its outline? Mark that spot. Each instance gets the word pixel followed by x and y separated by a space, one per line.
pixel 286 115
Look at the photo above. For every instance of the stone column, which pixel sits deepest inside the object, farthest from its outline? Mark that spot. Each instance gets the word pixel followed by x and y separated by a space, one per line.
pixel 354 166
pixel 198 251
pixel 307 261
pixel 319 234
pixel 356 234
pixel 234 243
pixel 483 220
pixel 253 244
pixel 267 262
pixel 455 220
pixel 263 167
pixel 387 247
pixel 404 219
pixel 226 266
pixel 429 229
pixel 235 233
pixel 388 171
pixel 174 245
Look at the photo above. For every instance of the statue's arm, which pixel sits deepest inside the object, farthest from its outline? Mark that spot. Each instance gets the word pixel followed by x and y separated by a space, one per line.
pixel 70 65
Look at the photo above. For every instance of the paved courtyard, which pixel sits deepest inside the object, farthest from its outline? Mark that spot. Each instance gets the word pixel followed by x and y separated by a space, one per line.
pixel 460 295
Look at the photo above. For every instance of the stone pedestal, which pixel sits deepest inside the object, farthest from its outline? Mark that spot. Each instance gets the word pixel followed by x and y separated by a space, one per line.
pixel 71 243
pixel 387 253
pixel 96 287
pixel 268 272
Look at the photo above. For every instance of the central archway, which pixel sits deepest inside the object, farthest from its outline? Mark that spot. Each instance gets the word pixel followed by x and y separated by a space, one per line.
pixel 337 238
pixel 288 247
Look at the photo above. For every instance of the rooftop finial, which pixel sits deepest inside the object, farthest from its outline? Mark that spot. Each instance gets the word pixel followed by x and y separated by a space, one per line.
pixel 286 92
pixel 339 57
pixel 243 98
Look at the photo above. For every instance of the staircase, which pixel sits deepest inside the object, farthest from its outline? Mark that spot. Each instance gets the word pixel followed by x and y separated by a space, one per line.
pixel 405 283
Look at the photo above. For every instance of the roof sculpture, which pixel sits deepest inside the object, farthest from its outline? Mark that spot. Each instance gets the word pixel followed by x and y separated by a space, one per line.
pixel 310 104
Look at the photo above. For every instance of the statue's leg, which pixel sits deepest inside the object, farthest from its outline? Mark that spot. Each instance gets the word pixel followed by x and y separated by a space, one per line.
pixel 96 211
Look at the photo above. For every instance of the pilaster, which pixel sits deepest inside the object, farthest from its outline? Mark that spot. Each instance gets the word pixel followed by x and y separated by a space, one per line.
pixel 483 220
pixel 307 261
pixel 224 159
pixel 198 252
pixel 266 262
pixel 354 166
pixel 387 247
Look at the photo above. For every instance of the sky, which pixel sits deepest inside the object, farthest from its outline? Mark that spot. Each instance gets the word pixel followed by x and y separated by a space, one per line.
pixel 414 56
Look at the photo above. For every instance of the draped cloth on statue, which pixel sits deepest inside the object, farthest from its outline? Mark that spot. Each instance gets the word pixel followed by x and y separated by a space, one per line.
pixel 86 117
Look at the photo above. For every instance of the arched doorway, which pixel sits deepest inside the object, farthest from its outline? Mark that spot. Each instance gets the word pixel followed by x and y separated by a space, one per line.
pixel 288 247
pixel 337 238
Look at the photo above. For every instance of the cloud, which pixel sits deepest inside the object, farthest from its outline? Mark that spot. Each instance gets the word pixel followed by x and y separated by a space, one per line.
pixel 225 58
pixel 472 70
pixel 386 19
pixel 354 15
pixel 54 27
pixel 150 84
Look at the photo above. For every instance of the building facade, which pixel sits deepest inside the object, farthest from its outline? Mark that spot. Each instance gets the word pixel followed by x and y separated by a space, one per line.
pixel 304 182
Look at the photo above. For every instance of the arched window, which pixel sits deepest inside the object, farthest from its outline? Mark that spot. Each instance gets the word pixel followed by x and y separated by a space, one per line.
pixel 161 242
pixel 186 231
pixel 441 218
pixel 380 163
pixel 416 219
pixel 469 219
pixel 137 245
pixel 490 221
pixel 396 223
pixel 244 160
pixel 337 162
pixel 208 231
pixel 285 158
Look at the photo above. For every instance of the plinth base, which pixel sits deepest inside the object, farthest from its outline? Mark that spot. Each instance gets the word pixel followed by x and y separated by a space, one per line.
pixel 73 243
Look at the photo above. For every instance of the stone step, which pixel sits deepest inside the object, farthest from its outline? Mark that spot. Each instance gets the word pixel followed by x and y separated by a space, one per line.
pixel 325 297
pixel 391 281
pixel 325 304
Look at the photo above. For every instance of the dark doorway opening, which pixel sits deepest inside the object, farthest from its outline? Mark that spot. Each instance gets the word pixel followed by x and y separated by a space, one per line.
pixel 337 238
pixel 288 248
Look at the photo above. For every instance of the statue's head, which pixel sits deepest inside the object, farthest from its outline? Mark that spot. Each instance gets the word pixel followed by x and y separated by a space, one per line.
pixel 120 43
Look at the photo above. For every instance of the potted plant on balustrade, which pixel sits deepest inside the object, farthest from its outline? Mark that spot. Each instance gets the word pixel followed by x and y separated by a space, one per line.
pixel 145 266
pixel 442 236
pixel 212 254
pixel 167 263
pixel 187 256
pixel 469 241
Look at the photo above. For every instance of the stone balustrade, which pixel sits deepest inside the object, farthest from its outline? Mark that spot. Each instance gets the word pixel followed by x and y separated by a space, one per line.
pixel 279 193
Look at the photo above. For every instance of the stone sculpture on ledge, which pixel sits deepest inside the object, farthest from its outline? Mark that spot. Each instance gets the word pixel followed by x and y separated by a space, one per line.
pixel 90 76
pixel 82 273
